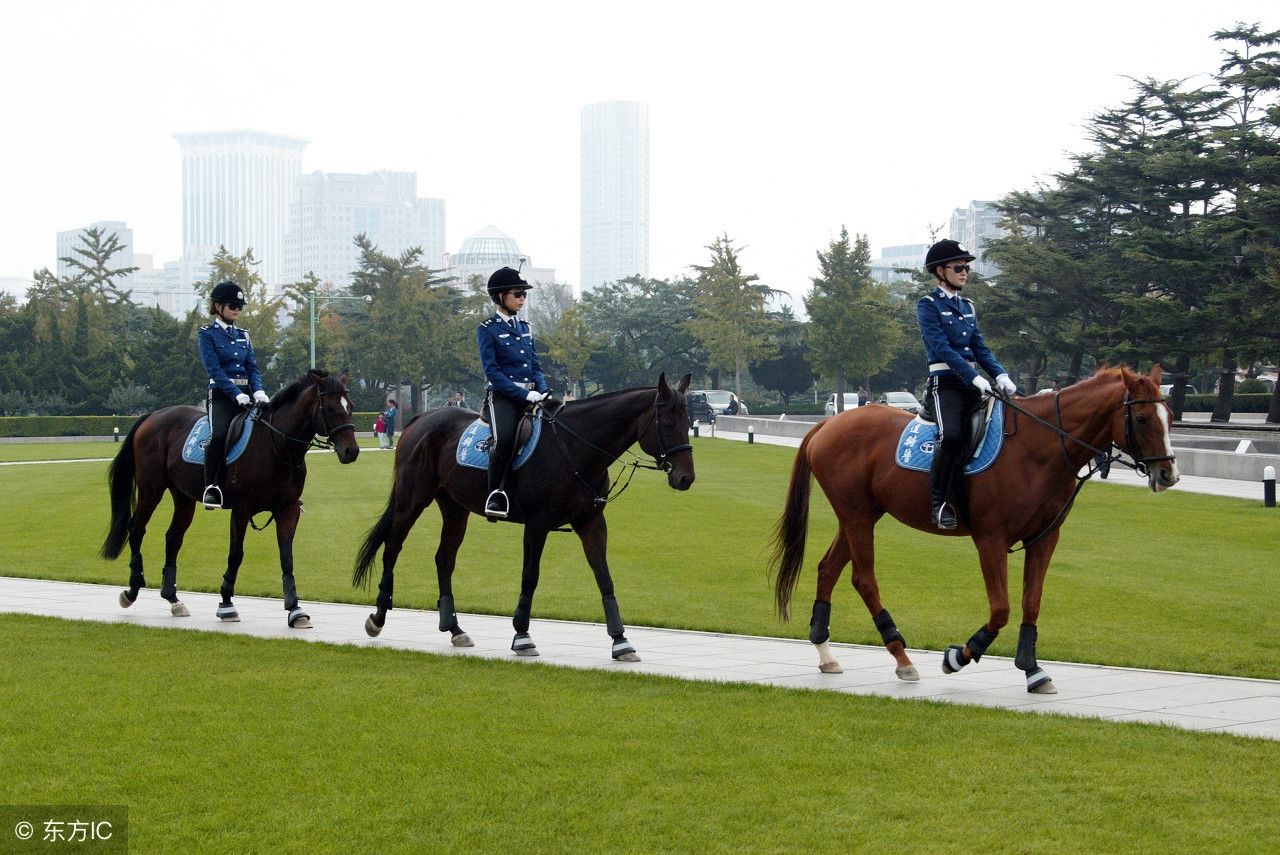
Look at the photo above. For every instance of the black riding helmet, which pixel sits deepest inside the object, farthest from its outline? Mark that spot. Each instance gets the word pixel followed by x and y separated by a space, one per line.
pixel 505 279
pixel 944 251
pixel 228 294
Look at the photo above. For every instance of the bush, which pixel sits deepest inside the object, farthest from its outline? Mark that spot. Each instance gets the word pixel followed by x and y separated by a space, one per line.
pixel 1240 403
pixel 1251 386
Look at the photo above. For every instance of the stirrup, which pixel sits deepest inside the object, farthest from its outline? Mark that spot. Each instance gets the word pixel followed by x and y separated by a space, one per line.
pixel 212 498
pixel 496 505
pixel 944 517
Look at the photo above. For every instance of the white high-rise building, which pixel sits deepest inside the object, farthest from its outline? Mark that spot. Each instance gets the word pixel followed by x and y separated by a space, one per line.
pixel 488 249
pixel 615 192
pixel 236 188
pixel 329 209
pixel 973 227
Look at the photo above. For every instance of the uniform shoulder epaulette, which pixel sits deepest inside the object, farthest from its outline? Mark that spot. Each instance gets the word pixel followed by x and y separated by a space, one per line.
pixel 928 297
pixel 207 326
pixel 487 321
pixel 966 300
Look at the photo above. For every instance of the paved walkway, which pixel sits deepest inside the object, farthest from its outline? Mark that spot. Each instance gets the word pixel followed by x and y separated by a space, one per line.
pixel 1190 701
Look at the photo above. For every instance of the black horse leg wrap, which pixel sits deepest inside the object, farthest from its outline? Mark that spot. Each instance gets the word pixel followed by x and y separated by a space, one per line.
pixel 888 630
pixel 980 641
pixel 820 623
pixel 1026 656
pixel 612 618
pixel 521 618
pixel 447 615
pixel 169 584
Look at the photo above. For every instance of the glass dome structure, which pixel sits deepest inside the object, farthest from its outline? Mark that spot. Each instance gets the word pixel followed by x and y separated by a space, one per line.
pixel 489 247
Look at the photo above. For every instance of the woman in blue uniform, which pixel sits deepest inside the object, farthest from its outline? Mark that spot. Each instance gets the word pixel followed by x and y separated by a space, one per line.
pixel 955 349
pixel 234 381
pixel 515 378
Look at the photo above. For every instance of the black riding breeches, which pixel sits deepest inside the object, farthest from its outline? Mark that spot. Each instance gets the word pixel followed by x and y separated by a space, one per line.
pixel 221 411
pixel 952 398
pixel 504 419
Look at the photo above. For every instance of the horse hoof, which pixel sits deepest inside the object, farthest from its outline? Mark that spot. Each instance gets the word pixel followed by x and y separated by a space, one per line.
pixel 372 628
pixel 953 660
pixel 1038 682
pixel 1045 689
pixel 228 614
pixel 632 656
pixel 527 651
pixel 462 640
pixel 179 610
pixel 125 601
pixel 832 667
pixel 908 673
pixel 301 622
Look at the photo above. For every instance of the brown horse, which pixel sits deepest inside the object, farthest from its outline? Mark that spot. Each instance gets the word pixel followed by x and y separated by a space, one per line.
pixel 1024 496
pixel 564 482
pixel 268 477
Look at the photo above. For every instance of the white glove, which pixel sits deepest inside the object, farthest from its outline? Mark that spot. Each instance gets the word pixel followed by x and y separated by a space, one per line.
pixel 981 384
pixel 534 397
pixel 242 399
pixel 1005 385
pixel 261 397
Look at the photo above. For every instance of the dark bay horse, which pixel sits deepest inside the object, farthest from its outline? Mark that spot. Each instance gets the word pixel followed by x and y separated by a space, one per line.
pixel 564 482
pixel 268 477
pixel 1024 496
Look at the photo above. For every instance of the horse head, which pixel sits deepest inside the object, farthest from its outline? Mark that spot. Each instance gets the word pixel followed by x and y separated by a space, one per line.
pixel 331 415
pixel 1142 428
pixel 665 434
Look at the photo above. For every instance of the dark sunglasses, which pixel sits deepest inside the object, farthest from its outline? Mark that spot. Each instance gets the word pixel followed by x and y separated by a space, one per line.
pixel 960 268
pixel 519 293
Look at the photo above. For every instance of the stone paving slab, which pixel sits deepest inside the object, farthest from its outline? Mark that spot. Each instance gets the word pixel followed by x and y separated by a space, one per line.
pixel 1242 706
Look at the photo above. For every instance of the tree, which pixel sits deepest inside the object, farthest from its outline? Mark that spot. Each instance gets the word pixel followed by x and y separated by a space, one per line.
pixel 638 328
pixel 852 327
pixel 571 345
pixel 90 264
pixel 729 312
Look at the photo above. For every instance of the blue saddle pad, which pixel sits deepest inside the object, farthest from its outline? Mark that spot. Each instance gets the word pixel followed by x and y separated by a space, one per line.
pixel 915 446
pixel 193 448
pixel 477 434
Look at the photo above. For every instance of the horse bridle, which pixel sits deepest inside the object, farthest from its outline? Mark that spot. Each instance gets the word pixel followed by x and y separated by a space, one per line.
pixel 313 442
pixel 1139 464
pixel 663 464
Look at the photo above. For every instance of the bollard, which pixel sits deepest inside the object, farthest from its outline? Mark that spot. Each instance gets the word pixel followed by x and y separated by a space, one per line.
pixel 751 434
pixel 117 433
pixel 695 430
pixel 1269 487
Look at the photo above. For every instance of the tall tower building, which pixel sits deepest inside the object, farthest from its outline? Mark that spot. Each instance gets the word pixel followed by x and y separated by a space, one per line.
pixel 615 192
pixel 236 188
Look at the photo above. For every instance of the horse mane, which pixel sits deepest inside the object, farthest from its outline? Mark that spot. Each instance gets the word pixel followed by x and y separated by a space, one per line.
pixel 294 390
pixel 677 398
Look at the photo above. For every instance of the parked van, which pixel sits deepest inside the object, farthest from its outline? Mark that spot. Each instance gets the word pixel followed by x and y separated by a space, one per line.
pixel 850 402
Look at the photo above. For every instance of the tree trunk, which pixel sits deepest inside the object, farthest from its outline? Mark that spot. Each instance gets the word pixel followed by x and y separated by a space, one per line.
pixel 715 378
pixel 1273 412
pixel 1226 387
pixel 1073 372
pixel 840 390
pixel 737 375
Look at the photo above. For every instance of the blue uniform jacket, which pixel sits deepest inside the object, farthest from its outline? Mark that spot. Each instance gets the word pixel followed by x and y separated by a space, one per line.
pixel 952 340
pixel 508 358
pixel 228 357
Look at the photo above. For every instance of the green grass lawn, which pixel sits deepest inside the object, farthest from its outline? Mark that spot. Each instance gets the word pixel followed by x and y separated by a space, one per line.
pixel 1177 581
pixel 234 744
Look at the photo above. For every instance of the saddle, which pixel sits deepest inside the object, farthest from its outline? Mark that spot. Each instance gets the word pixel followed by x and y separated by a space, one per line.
pixel 978 417
pixel 915 445
pixel 523 432
pixel 238 433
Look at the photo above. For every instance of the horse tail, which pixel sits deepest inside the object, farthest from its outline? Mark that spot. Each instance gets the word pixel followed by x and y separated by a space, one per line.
pixel 793 528
pixel 376 537
pixel 123 500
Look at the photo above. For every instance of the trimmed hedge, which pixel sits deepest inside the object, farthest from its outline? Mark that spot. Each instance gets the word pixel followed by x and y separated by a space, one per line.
pixel 104 425
pixel 1254 402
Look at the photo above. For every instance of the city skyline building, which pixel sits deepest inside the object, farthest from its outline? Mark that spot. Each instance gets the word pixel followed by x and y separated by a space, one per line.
pixel 908 256
pixel 69 239
pixel 614 205
pixel 236 188
pixel 486 250
pixel 328 209
pixel 974 226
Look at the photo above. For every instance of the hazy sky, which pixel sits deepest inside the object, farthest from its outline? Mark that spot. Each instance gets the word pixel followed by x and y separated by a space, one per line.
pixel 772 122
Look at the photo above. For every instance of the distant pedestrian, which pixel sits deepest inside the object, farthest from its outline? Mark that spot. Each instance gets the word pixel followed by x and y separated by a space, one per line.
pixel 862 396
pixel 379 431
pixel 389 422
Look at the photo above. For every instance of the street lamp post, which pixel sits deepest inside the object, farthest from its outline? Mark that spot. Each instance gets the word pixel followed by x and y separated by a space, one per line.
pixel 311 311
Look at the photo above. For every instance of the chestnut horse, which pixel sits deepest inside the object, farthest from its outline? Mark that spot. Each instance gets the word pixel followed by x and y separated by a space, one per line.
pixel 267 477
pixel 565 481
pixel 1024 496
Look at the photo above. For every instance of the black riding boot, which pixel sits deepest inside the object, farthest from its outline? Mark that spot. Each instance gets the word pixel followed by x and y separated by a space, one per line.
pixel 941 512
pixel 212 463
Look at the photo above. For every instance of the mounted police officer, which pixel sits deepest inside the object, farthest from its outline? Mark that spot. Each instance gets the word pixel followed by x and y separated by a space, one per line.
pixel 515 378
pixel 228 359
pixel 955 349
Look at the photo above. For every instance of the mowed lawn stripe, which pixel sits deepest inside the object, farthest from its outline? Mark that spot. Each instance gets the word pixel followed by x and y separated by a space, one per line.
pixel 230 744
pixel 1178 581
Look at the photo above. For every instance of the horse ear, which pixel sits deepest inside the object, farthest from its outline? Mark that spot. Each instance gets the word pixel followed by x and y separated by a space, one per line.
pixel 664 391
pixel 683 385
pixel 1155 374
pixel 342 378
